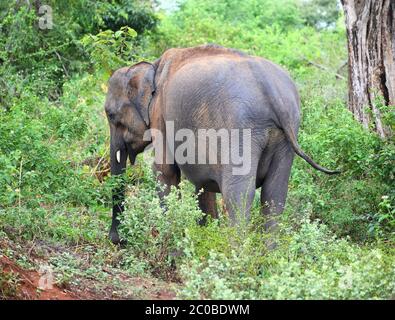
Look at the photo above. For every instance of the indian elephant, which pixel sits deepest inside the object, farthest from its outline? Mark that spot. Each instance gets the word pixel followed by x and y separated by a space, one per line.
pixel 208 87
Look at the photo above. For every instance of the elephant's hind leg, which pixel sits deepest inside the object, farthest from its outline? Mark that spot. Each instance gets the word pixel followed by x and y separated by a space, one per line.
pixel 275 185
pixel 238 194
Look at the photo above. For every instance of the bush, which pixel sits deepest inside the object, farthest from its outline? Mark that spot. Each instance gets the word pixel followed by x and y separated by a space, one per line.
pixel 310 263
pixel 332 137
pixel 137 15
pixel 110 50
pixel 44 59
pixel 46 189
pixel 154 235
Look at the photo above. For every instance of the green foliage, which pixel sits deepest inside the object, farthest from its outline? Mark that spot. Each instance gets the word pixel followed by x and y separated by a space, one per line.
pixel 310 263
pixel 260 13
pixel 365 161
pixel 110 50
pixel 138 15
pixel 30 151
pixel 44 59
pixel 320 13
pixel 271 29
pixel 9 283
pixel 383 221
pixel 154 235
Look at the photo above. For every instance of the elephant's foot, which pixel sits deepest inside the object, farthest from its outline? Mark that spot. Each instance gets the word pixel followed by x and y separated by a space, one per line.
pixel 271 227
pixel 115 239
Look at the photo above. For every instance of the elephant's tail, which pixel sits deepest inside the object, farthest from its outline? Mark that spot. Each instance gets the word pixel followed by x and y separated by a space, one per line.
pixel 294 143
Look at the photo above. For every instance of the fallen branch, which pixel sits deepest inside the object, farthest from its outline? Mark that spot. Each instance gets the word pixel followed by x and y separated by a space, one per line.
pixel 324 68
pixel 345 63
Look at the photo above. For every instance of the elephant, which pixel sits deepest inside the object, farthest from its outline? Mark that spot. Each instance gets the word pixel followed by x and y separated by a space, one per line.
pixel 213 88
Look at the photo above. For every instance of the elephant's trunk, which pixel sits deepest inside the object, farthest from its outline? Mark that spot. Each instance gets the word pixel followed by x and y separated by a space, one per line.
pixel 119 152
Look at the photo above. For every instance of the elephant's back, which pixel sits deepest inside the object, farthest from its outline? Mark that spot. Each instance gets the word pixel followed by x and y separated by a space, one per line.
pixel 231 92
pixel 219 92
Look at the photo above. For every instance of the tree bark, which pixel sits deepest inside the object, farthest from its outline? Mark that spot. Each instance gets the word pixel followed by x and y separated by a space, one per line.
pixel 370 28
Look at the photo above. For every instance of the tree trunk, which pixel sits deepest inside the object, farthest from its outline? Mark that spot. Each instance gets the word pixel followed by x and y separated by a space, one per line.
pixel 370 28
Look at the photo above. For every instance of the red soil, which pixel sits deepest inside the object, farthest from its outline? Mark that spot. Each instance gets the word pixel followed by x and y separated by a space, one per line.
pixel 28 285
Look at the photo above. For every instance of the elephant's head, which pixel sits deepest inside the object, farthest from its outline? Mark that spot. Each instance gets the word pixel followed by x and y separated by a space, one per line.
pixel 130 92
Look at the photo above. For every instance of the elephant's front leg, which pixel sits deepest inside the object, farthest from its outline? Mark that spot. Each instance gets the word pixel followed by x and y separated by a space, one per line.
pixel 208 205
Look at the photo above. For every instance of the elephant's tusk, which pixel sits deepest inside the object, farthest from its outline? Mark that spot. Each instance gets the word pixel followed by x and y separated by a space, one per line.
pixel 119 156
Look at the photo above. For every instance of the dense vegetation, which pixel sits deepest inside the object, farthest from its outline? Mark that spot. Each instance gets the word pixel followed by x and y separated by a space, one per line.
pixel 337 234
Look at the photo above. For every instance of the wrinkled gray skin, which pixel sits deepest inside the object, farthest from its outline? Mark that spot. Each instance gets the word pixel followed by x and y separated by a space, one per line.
pixel 201 88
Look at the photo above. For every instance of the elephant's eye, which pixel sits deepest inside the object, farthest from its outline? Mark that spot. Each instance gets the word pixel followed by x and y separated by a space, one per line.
pixel 111 115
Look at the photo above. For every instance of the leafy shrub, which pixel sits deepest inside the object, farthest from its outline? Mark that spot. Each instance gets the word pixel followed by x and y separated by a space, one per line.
pixel 310 263
pixel 42 166
pixel 9 285
pixel 110 50
pixel 45 59
pixel 331 135
pixel 137 15
pixel 153 234
pixel 320 13
pixel 383 221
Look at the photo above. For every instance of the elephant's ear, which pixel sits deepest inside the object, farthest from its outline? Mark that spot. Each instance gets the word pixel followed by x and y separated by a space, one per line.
pixel 143 88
